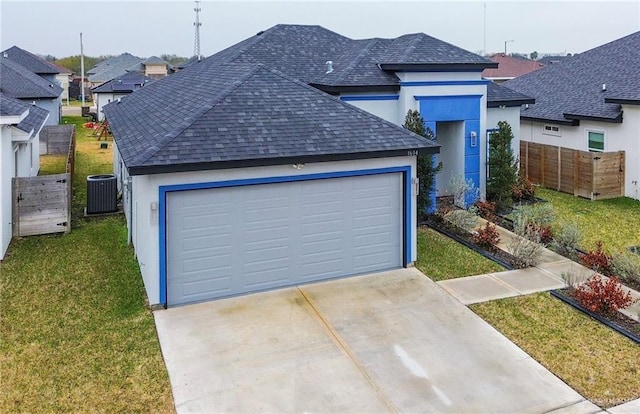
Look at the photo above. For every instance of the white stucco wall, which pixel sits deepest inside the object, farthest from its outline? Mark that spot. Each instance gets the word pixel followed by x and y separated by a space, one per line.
pixel 144 217
pixel 6 173
pixel 52 105
pixel 623 136
pixel 512 116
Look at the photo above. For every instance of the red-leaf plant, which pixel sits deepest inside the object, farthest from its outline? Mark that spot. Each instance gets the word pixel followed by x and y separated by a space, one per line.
pixel 598 259
pixel 487 236
pixel 603 296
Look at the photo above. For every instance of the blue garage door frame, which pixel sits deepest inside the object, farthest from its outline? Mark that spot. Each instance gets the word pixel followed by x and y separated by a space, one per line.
pixel 165 190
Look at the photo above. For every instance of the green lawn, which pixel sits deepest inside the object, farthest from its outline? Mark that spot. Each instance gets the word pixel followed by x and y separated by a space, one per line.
pixel 441 258
pixel 597 362
pixel 616 222
pixel 76 335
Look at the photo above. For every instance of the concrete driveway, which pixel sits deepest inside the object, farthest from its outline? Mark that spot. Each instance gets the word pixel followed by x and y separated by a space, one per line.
pixel 387 342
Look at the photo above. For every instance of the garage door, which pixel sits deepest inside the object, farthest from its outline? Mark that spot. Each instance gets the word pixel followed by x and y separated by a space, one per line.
pixel 233 240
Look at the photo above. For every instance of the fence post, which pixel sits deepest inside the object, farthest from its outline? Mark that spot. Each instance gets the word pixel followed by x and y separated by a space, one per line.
pixel 559 168
pixel 576 172
pixel 621 172
pixel 15 216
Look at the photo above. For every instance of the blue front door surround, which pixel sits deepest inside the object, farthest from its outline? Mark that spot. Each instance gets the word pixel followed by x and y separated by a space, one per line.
pixel 464 108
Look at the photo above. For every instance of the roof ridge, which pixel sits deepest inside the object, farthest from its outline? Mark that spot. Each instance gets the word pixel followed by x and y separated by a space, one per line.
pixel 30 77
pixel 358 58
pixel 151 151
pixel 340 101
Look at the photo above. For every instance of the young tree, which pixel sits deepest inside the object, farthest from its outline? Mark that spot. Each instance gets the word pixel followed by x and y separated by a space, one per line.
pixel 503 166
pixel 426 168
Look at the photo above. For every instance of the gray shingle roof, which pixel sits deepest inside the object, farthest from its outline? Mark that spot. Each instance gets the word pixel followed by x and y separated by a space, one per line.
pixel 16 81
pixel 209 115
pixel 420 49
pixel 126 83
pixel 30 61
pixel 11 107
pixel 572 89
pixel 114 67
pixel 498 95
pixel 302 52
pixel 34 120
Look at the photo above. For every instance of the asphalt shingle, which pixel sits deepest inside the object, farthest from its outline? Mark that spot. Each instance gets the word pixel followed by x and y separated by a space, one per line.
pixel 241 113
pixel 35 118
pixel 30 61
pixel 498 95
pixel 573 88
pixel 128 82
pixel 16 81
pixel 114 67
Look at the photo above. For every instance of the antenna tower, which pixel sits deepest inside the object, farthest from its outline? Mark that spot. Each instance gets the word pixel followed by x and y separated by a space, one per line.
pixel 197 24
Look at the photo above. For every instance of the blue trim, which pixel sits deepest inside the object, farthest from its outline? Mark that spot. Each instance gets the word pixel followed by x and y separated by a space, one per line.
pixel 445 83
pixel 164 189
pixel 436 97
pixel 370 98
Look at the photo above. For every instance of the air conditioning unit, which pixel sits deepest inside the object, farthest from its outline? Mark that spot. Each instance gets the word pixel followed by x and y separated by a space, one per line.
pixel 102 194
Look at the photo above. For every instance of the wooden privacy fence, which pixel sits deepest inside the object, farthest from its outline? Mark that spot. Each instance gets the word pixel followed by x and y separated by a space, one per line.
pixel 593 175
pixel 42 204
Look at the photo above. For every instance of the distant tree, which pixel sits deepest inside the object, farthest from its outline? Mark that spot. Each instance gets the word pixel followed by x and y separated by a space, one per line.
pixel 73 63
pixel 48 58
pixel 173 58
pixel 503 166
pixel 534 55
pixel 426 168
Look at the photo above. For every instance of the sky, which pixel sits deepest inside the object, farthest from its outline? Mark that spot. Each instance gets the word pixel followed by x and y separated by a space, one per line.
pixel 145 28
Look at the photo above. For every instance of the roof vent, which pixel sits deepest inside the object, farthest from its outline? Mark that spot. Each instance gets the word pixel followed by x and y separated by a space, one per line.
pixel 5 54
pixel 119 100
pixel 329 64
pixel 260 32
pixel 604 87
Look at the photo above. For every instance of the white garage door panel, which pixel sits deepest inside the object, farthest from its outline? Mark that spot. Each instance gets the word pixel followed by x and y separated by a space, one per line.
pixel 233 240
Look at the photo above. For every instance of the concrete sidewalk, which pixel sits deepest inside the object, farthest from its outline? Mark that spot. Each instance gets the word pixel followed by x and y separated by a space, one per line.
pixel 547 275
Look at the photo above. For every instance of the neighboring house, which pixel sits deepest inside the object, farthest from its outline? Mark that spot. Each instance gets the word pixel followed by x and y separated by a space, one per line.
pixel 156 68
pixel 20 125
pixel 112 68
pixel 64 80
pixel 20 83
pixel 503 104
pixel 117 88
pixel 588 102
pixel 237 176
pixel 35 64
pixel 509 67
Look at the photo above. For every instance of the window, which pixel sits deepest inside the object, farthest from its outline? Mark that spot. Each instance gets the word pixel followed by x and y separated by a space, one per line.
pixel 596 141
pixel 551 130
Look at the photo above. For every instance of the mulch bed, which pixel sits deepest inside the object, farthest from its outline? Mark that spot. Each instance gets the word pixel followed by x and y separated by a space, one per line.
pixel 616 320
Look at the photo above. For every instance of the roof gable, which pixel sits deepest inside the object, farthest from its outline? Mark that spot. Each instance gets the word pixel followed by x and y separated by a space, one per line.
pixel 244 113
pixel 573 88
pixel 498 95
pixel 30 61
pixel 18 82
pixel 114 67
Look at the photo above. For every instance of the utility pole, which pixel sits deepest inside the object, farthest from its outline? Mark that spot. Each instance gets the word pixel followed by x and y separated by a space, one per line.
pixel 484 44
pixel 505 46
pixel 81 70
pixel 197 24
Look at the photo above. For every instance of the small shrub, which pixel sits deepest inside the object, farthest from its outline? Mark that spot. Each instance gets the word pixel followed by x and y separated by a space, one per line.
pixel 486 210
pixel 567 239
pixel 603 296
pixel 525 249
pixel 463 219
pixel 626 266
pixel 523 190
pixel 464 191
pixel 545 234
pixel 487 237
pixel 537 216
pixel 598 259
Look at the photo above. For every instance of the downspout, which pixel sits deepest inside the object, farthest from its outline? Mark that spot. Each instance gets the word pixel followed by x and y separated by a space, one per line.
pixel 130 207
